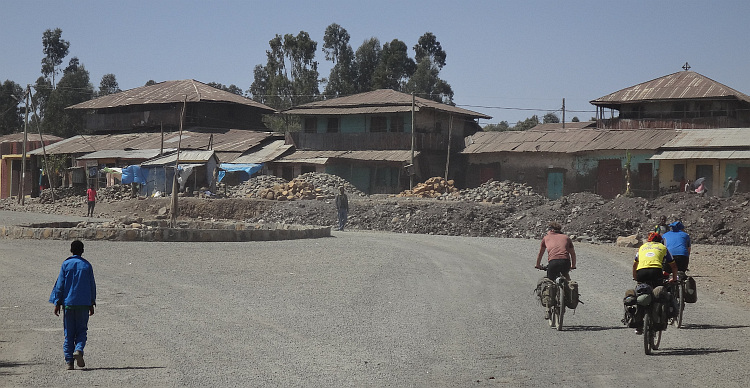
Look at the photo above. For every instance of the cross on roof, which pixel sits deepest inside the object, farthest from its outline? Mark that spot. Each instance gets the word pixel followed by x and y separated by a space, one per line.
pixel 686 66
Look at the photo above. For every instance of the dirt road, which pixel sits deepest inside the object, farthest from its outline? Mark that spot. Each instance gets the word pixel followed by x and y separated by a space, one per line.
pixel 357 309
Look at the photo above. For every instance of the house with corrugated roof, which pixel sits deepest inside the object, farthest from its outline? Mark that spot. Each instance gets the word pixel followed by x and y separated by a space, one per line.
pixel 11 154
pixel 682 100
pixel 557 162
pixel 377 140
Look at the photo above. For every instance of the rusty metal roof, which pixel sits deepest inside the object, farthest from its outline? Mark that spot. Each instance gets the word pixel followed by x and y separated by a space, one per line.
pixel 377 101
pixel 31 136
pixel 266 153
pixel 169 92
pixel 710 138
pixel 185 157
pixel 321 157
pixel 687 155
pixel 224 140
pixel 568 125
pixel 680 85
pixel 567 141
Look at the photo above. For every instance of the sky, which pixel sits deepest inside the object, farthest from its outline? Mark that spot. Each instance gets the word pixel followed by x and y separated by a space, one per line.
pixel 506 59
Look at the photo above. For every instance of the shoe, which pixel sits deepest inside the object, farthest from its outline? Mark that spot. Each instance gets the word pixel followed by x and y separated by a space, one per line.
pixel 70 365
pixel 78 355
pixel 638 332
pixel 546 314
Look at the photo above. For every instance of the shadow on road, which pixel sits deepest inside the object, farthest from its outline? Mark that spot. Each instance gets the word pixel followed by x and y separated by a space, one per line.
pixel 707 326
pixel 7 364
pixel 691 352
pixel 125 368
pixel 592 328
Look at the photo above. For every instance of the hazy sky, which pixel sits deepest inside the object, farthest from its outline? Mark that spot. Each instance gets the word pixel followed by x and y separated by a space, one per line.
pixel 506 59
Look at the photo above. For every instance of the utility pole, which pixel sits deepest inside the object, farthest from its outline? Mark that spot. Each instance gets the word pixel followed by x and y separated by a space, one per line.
pixel 411 166
pixel 21 193
pixel 175 185
pixel 450 135
pixel 563 113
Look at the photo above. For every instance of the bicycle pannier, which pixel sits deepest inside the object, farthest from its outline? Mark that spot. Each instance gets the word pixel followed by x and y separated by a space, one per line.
pixel 545 290
pixel 572 297
pixel 691 292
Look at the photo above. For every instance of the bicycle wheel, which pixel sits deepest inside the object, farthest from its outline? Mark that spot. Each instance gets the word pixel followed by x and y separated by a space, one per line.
pixel 560 305
pixel 647 333
pixel 680 304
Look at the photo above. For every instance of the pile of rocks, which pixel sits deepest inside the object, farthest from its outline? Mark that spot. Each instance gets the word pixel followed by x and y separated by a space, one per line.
pixel 330 184
pixel 296 189
pixel 46 195
pixel 432 188
pixel 497 192
pixel 252 186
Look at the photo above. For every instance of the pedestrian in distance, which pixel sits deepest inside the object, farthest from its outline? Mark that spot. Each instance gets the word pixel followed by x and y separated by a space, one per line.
pixel 688 185
pixel 662 226
pixel 342 208
pixel 91 198
pixel 736 186
pixel 729 189
pixel 75 295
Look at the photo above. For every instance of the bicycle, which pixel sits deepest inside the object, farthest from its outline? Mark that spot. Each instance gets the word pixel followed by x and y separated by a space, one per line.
pixel 556 311
pixel 677 290
pixel 646 304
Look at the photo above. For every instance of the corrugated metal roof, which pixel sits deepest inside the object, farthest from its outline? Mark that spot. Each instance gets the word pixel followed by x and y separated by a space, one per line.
pixel 713 154
pixel 169 92
pixel 224 140
pixel 123 154
pixel 369 155
pixel 185 157
pixel 566 141
pixel 569 125
pixel 18 137
pixel 711 138
pixel 377 101
pixel 267 153
pixel 680 85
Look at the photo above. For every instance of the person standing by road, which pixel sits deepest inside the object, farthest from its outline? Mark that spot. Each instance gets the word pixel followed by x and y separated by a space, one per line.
pixel 342 207
pixel 662 226
pixel 561 255
pixel 91 197
pixel 678 244
pixel 75 295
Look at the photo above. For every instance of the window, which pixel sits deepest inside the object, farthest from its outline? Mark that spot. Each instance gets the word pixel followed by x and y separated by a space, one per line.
pixel 678 172
pixel 397 124
pixel 333 125
pixel 378 124
pixel 311 125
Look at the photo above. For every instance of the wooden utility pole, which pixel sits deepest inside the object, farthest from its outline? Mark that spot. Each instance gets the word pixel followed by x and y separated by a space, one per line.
pixel 22 190
pixel 411 166
pixel 450 135
pixel 563 113
pixel 175 185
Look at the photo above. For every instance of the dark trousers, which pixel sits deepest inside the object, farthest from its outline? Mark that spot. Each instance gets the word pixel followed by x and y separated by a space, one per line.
pixel 557 267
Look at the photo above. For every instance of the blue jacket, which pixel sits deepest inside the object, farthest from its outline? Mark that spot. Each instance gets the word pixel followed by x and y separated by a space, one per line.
pixel 75 285
pixel 677 242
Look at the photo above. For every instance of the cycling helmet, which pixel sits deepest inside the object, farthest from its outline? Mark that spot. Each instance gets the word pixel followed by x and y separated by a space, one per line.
pixel 654 236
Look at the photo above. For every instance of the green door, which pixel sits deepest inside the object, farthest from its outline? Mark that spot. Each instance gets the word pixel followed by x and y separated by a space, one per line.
pixel 554 184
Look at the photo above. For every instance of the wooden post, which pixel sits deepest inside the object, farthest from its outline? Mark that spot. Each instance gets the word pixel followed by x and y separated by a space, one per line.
pixel 22 191
pixel 413 130
pixel 175 185
pixel 450 134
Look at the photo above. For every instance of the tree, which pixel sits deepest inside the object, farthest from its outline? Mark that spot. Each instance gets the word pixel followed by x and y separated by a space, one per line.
pixel 366 62
pixel 39 99
pixel 11 117
pixel 499 127
pixel 108 85
pixel 341 80
pixel 150 83
pixel 428 47
pixel 529 123
pixel 234 89
pixel 395 67
pixel 426 82
pixel 74 87
pixel 55 50
pixel 550 118
pixel 575 119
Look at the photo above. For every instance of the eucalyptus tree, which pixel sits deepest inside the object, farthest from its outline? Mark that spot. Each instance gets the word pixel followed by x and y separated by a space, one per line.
pixel 366 61
pixel 11 118
pixel 337 49
pixel 394 68
pixel 426 82
pixel 74 87
pixel 550 118
pixel 108 85
pixel 234 89
pixel 55 50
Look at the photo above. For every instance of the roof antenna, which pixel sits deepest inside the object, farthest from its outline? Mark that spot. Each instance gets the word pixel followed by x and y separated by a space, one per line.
pixel 686 66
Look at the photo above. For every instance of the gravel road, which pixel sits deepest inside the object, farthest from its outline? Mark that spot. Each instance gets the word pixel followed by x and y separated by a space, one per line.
pixel 357 309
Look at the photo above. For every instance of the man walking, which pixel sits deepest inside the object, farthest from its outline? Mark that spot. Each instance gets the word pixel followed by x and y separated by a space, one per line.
pixel 75 294
pixel 342 207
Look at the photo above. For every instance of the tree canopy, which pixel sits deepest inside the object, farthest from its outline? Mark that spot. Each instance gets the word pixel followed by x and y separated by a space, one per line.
pixel 55 50
pixel 11 118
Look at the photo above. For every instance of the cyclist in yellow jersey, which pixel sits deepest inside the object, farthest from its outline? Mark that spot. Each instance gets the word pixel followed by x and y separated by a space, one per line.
pixel 647 267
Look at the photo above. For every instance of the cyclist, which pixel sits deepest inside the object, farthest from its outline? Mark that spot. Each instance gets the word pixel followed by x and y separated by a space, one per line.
pixel 561 256
pixel 678 245
pixel 647 266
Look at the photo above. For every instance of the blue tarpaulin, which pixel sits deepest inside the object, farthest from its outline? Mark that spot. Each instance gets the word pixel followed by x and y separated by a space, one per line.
pixel 135 174
pixel 249 168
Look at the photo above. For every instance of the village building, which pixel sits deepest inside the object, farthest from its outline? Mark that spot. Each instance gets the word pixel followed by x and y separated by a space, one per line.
pixel 377 140
pixel 11 152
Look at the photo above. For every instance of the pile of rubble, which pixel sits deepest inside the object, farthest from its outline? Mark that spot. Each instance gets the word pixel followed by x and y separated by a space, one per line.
pixel 252 186
pixel 432 188
pixel 330 184
pixel 294 190
pixel 498 192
